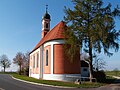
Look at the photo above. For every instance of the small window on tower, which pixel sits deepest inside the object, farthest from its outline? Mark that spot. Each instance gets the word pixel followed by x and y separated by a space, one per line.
pixel 46 25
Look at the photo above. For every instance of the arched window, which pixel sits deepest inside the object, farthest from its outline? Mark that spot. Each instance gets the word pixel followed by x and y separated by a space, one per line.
pixel 46 57
pixel 33 61
pixel 37 59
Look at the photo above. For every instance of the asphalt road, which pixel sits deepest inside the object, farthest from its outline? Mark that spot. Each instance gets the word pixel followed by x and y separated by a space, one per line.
pixel 8 83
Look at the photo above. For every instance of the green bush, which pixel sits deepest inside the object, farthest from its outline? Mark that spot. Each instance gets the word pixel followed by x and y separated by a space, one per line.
pixel 100 76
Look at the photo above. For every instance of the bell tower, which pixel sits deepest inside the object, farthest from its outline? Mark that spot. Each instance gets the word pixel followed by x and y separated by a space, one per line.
pixel 45 23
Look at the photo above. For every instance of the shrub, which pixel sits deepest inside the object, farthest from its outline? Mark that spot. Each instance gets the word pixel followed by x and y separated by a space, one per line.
pixel 100 76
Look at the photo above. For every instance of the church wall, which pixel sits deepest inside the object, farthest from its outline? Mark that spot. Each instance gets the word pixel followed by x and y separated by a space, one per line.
pixel 62 64
pixel 34 70
pixel 59 68
pixel 58 59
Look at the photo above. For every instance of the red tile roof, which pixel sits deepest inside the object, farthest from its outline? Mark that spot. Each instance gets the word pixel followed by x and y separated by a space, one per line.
pixel 55 33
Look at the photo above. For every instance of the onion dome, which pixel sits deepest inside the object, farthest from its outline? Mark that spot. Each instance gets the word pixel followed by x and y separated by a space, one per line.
pixel 46 15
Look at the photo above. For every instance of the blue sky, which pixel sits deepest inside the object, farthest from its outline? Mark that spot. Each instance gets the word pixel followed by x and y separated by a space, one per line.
pixel 20 25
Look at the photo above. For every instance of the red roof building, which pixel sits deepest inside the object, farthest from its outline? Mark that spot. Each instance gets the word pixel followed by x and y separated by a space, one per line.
pixel 47 59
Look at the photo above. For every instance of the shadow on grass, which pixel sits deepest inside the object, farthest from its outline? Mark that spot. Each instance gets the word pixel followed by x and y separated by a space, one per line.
pixel 109 80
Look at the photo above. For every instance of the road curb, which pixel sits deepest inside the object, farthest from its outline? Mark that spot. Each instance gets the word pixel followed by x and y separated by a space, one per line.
pixel 116 77
pixel 40 83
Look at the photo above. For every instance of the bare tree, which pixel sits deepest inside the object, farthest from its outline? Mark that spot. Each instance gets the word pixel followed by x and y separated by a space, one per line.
pixel 22 60
pixel 26 63
pixel 98 63
pixel 19 60
pixel 4 61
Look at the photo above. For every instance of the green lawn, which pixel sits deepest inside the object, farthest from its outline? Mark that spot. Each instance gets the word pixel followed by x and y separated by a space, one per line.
pixel 109 80
pixel 58 83
pixel 112 73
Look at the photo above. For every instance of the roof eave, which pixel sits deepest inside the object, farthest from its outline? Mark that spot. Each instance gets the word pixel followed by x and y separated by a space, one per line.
pixel 45 42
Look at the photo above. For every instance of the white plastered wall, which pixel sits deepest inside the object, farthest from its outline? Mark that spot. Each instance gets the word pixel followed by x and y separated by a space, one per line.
pixel 31 74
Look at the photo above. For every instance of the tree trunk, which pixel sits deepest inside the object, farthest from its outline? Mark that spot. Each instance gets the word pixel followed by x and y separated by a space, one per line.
pixel 97 69
pixel 4 69
pixel 20 69
pixel 90 61
pixel 91 71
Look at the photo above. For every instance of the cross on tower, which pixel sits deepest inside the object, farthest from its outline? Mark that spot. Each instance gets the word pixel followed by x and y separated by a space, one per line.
pixel 46 8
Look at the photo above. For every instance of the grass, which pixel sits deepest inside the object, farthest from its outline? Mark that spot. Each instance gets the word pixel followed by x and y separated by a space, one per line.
pixel 8 73
pixel 109 80
pixel 112 73
pixel 57 83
